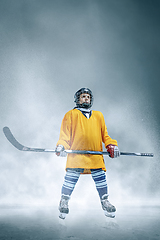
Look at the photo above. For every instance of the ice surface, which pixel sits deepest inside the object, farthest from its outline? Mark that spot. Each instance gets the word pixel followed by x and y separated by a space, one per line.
pixel 43 223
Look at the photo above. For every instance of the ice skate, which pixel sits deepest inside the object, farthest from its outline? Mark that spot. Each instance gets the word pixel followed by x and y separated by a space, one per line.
pixel 63 206
pixel 109 209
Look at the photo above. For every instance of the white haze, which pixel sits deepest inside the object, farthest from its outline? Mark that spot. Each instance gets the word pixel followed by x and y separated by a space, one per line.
pixel 50 50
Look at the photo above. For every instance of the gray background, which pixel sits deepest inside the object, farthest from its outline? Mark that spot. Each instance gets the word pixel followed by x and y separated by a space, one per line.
pixel 50 49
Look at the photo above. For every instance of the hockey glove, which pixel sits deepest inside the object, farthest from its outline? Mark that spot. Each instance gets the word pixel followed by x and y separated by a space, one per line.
pixel 113 151
pixel 60 151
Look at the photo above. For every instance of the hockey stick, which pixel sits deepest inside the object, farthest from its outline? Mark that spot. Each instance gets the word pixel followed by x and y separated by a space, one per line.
pixel 20 147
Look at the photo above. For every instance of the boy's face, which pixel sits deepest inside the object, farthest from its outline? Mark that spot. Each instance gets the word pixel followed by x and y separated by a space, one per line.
pixel 84 98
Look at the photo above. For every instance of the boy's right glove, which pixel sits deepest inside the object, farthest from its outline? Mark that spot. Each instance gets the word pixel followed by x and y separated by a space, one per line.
pixel 60 151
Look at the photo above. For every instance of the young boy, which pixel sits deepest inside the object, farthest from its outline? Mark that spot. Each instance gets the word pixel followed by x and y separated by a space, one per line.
pixel 84 129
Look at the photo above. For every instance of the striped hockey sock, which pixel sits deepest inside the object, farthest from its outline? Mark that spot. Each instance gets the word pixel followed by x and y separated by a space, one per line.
pixel 99 178
pixel 70 181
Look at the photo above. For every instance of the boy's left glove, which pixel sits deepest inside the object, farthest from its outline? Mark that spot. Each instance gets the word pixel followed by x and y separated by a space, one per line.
pixel 113 151
pixel 60 151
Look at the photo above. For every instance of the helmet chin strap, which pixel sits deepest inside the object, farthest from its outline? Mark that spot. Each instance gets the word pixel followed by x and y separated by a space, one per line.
pixel 84 105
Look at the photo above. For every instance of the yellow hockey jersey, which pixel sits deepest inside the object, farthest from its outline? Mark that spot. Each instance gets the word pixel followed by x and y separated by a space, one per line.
pixel 79 133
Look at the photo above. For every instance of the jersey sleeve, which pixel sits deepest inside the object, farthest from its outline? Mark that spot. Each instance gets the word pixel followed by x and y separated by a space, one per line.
pixel 65 132
pixel 105 137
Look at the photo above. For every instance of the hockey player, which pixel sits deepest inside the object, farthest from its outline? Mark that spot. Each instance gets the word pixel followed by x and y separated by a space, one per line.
pixel 85 129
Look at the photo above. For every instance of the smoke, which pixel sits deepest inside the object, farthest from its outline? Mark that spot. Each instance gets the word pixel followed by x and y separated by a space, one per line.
pixel 51 49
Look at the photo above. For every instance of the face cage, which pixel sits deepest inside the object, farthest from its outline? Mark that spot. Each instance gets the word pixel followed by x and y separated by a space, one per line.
pixel 83 105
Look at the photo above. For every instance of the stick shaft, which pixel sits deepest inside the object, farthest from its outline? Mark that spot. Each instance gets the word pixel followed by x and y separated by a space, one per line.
pixel 19 146
pixel 106 153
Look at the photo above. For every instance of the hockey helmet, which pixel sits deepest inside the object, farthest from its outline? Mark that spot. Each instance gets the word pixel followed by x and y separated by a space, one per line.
pixel 77 95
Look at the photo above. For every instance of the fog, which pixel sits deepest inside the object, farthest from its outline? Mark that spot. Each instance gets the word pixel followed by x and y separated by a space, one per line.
pixel 50 49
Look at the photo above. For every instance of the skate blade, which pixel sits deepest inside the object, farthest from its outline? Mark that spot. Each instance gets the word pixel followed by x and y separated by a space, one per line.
pixel 62 215
pixel 109 214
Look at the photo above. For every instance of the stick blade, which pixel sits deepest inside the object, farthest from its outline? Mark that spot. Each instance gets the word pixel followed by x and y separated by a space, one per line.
pixel 11 139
